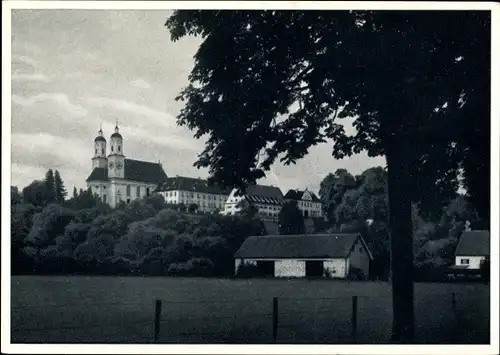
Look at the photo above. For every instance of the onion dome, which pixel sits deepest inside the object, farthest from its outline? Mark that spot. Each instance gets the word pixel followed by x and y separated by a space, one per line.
pixel 100 137
pixel 116 134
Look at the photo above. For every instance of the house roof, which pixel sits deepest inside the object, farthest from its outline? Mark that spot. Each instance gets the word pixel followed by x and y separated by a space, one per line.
pixel 190 184
pixel 297 195
pixel 135 170
pixel 326 246
pixel 264 194
pixel 474 243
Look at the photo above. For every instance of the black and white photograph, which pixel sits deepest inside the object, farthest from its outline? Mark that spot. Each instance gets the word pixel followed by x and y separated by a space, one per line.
pixel 210 176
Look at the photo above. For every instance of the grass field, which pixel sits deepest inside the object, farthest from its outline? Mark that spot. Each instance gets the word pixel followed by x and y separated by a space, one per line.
pixel 121 310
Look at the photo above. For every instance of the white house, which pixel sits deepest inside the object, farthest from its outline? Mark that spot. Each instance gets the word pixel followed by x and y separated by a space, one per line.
pixel 307 202
pixel 188 191
pixel 115 179
pixel 313 255
pixel 472 249
pixel 267 199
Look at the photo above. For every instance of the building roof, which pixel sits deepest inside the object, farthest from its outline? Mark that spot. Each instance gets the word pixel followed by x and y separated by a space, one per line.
pixel 264 194
pixel 297 195
pixel 100 139
pixel 324 246
pixel 116 135
pixel 474 243
pixel 135 170
pixel 191 184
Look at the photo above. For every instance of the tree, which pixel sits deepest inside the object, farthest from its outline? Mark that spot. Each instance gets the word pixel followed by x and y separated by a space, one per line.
pixel 34 194
pixel 291 220
pixel 75 192
pixel 60 190
pixel 403 76
pixel 332 189
pixel 47 225
pixel 15 196
pixel 50 187
pixel 192 208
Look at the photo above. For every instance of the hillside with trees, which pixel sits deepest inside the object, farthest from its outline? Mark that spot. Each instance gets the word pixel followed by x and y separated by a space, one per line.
pixel 150 237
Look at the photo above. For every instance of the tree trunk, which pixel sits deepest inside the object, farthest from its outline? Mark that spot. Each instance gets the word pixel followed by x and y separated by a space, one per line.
pixel 400 220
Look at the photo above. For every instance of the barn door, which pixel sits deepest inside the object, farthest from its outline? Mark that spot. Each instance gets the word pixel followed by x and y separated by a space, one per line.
pixel 314 268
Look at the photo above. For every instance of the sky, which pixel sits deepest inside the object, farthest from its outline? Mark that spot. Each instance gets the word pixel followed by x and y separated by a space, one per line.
pixel 75 70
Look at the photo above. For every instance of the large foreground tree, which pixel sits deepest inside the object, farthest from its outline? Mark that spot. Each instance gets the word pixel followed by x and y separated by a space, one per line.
pixel 279 82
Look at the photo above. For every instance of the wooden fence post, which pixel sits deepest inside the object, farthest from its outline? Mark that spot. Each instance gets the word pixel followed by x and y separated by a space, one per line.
pixel 354 317
pixel 275 318
pixel 157 319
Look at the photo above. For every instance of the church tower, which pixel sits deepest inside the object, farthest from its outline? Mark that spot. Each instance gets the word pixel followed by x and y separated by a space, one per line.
pixel 116 159
pixel 99 160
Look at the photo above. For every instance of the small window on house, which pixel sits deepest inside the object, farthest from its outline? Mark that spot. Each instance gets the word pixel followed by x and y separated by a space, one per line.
pixel 128 190
pixel 360 249
pixel 147 191
pixel 128 201
pixel 464 261
pixel 111 148
pixel 96 151
pixel 102 150
pixel 138 192
pixel 118 148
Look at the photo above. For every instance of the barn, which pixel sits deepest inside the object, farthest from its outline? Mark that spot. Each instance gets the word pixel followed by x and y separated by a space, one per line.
pixel 472 249
pixel 307 255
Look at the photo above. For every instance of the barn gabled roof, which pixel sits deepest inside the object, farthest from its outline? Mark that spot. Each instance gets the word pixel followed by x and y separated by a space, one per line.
pixel 324 246
pixel 135 170
pixel 474 243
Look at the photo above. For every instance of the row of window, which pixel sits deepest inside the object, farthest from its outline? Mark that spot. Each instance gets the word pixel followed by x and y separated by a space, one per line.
pixel 197 195
pixel 308 204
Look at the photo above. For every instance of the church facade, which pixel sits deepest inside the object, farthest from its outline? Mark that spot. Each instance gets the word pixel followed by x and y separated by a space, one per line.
pixel 116 179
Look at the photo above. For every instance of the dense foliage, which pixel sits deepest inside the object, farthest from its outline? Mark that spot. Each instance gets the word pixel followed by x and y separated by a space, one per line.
pixel 146 237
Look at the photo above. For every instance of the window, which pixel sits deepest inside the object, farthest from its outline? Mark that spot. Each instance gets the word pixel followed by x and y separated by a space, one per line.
pixel 464 261
pixel 360 249
pixel 128 201
pixel 128 190
pixel 111 148
pixel 96 151
pixel 118 148
pixel 147 191
pixel 104 198
pixel 102 150
pixel 138 192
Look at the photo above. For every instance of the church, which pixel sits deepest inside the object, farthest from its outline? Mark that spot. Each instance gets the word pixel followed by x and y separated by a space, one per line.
pixel 116 179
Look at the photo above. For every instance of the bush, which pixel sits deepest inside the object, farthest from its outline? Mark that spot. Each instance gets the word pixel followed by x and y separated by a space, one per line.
pixel 200 267
pixel 248 271
pixel 485 270
pixel 178 269
pixel 356 274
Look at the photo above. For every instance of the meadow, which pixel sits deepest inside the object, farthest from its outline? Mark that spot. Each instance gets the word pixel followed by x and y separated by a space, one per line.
pixel 93 309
